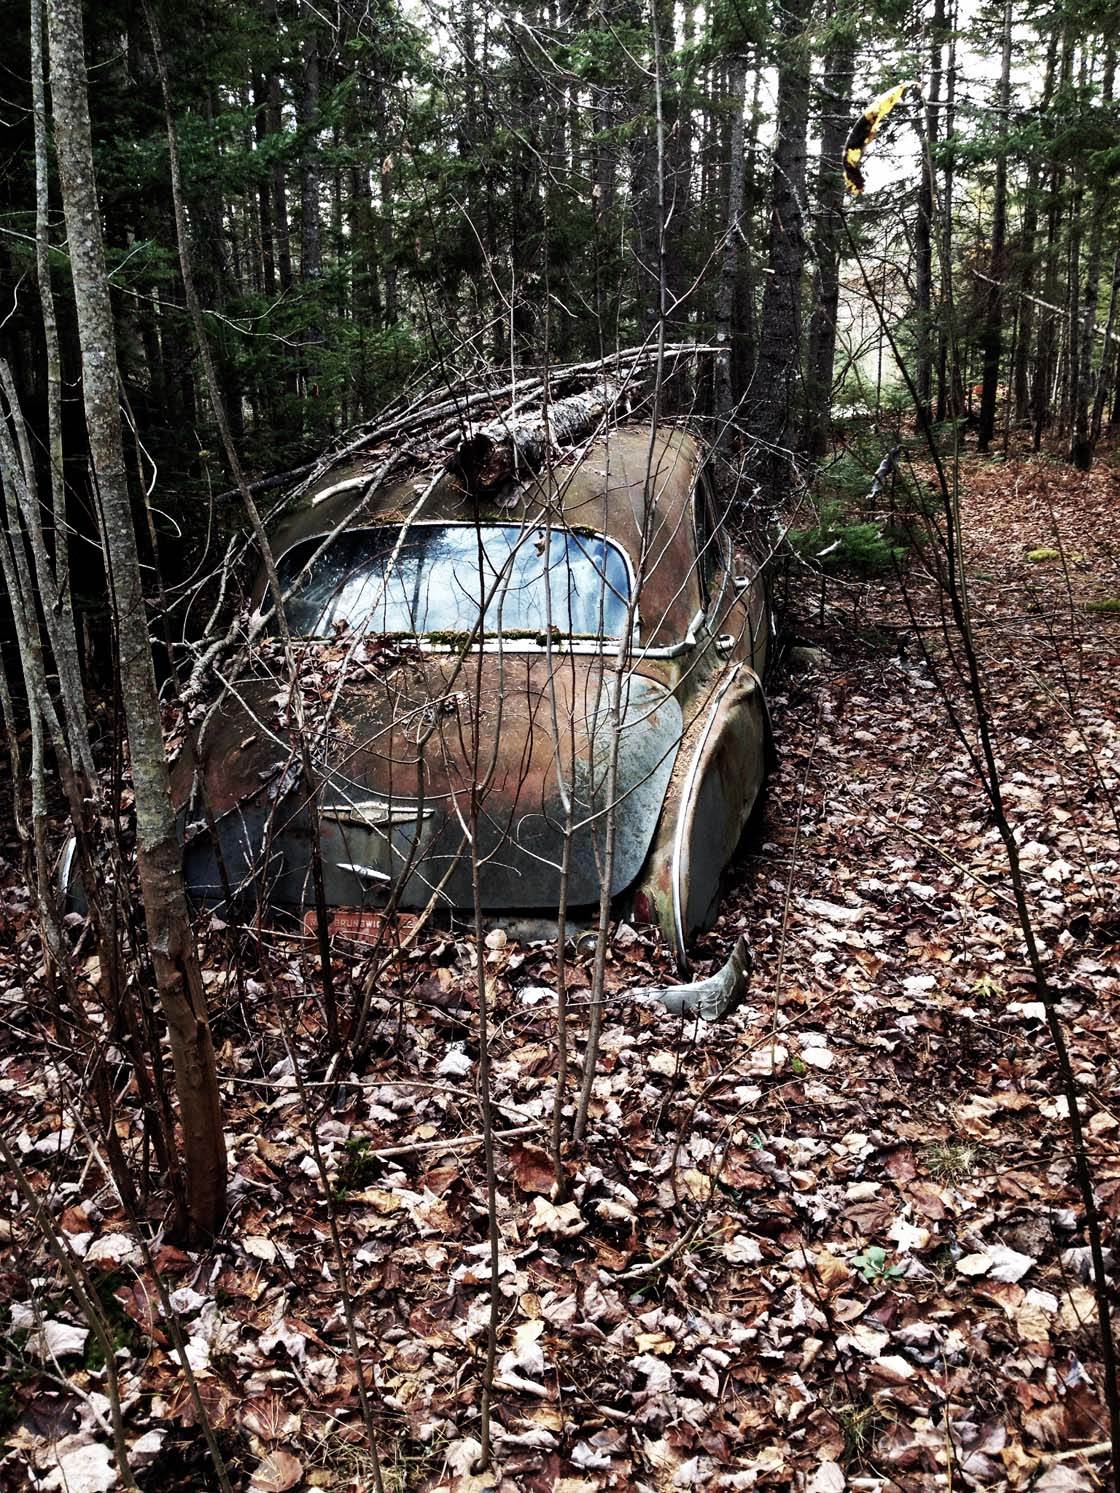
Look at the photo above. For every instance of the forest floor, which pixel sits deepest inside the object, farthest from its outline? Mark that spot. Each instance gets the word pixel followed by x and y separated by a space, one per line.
pixel 876 1273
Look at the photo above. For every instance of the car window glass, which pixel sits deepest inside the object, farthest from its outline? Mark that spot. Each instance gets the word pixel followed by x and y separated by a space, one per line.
pixel 708 540
pixel 444 574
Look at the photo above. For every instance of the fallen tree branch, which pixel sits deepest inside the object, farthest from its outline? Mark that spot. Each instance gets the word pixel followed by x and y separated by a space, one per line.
pixel 509 448
pixel 421 415
pixel 411 1148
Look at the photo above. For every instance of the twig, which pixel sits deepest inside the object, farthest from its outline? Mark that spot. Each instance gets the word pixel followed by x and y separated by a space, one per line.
pixel 411 1147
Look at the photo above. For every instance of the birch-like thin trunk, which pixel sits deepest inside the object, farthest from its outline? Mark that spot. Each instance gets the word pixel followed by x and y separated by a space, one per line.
pixel 773 415
pixel 15 756
pixel 221 416
pixel 1046 346
pixel 57 602
pixel 1081 445
pixel 991 339
pixel 923 226
pixel 950 383
pixel 729 266
pixel 310 229
pixel 837 90
pixel 159 856
pixel 1108 362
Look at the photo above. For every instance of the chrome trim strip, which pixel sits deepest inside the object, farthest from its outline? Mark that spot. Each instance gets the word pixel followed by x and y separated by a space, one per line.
pixel 365 873
pixel 373 812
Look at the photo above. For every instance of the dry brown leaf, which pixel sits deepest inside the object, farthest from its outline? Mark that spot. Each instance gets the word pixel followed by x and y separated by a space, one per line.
pixel 276 1473
pixel 833 1273
pixel 268 1417
pixel 655 1342
pixel 563 1220
pixel 532 1169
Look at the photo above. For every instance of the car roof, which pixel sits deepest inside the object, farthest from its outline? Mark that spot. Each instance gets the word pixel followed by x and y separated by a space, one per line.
pixel 603 487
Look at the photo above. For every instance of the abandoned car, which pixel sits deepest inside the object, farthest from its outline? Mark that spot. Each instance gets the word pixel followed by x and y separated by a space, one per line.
pixel 555 681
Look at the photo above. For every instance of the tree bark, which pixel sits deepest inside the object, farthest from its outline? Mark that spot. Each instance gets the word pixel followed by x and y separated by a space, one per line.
pixel 837 95
pixel 57 602
pixel 924 223
pixel 729 267
pixel 1081 445
pixel 1026 259
pixel 310 235
pixel 773 412
pixel 275 116
pixel 950 383
pixel 991 341
pixel 159 856
pixel 1107 367
pixel 264 194
pixel 744 331
pixel 1046 344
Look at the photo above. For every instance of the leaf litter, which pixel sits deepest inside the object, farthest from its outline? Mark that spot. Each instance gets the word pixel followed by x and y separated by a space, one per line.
pixel 832 1242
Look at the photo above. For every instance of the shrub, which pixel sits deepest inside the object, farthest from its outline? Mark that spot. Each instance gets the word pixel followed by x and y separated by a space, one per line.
pixel 838 542
pixel 854 531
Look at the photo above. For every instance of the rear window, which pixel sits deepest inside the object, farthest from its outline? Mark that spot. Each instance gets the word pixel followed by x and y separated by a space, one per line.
pixel 446 576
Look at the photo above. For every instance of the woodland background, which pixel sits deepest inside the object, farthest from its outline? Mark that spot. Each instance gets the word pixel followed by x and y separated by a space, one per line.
pixel 375 192
pixel 859 1236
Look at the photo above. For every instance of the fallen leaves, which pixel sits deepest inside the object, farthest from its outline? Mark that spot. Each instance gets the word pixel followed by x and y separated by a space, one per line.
pixel 532 1168
pixel 277 1472
pixel 837 1232
pixel 49 1338
pixel 563 1219
pixel 87 1467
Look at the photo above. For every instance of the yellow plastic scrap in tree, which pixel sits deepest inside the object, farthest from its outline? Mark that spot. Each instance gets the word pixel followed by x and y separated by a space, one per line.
pixel 866 128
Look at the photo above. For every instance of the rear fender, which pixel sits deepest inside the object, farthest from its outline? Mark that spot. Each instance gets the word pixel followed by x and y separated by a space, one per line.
pixel 724 778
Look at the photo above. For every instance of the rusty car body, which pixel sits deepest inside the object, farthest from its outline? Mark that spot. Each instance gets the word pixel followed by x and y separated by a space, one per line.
pixel 557 682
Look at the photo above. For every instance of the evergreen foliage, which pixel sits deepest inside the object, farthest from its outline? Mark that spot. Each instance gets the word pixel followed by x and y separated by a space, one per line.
pixel 385 190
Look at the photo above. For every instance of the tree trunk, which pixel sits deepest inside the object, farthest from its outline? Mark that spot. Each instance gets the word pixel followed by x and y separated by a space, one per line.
pixel 1026 256
pixel 1081 446
pixel 1108 362
pixel 1072 329
pixel 724 399
pixel 837 96
pixel 679 207
pixel 310 235
pixel 275 116
pixel 387 185
pixel 159 857
pixel 744 331
pixel 264 195
pixel 773 413
pixel 57 602
pixel 924 223
pixel 1046 345
pixel 310 229
pixel 991 340
pixel 950 384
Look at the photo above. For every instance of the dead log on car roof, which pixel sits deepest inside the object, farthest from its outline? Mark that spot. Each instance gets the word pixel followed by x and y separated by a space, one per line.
pixel 417 417
pixel 515 446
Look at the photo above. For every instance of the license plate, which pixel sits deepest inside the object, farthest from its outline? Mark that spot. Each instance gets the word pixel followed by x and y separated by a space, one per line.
pixel 360 925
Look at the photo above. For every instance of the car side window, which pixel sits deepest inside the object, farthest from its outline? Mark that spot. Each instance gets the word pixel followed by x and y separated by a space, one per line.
pixel 709 541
